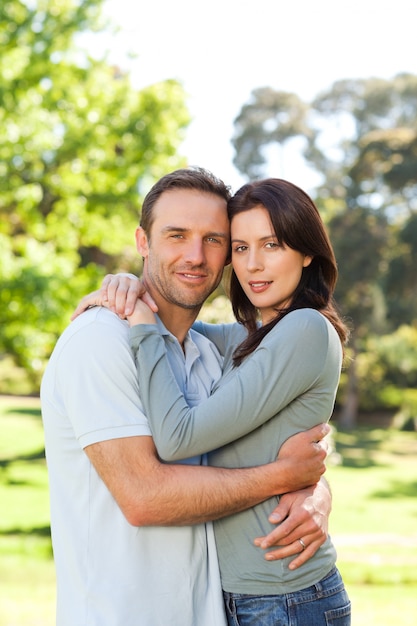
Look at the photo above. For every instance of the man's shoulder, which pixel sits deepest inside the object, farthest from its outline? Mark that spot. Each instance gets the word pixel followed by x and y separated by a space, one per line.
pixel 93 349
pixel 92 329
pixel 97 319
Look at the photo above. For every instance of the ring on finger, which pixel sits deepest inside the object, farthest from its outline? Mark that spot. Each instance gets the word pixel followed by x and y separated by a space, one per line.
pixel 303 545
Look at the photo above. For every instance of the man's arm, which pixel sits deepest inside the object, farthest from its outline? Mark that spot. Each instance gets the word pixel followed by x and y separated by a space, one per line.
pixel 153 493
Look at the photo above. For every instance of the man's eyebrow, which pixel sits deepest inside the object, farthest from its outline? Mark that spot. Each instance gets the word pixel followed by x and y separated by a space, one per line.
pixel 178 229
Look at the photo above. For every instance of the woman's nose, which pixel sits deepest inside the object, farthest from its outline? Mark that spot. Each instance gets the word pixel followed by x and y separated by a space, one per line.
pixel 254 261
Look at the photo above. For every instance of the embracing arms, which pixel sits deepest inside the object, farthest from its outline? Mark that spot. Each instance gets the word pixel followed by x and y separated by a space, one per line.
pixel 95 379
pixel 302 513
pixel 153 493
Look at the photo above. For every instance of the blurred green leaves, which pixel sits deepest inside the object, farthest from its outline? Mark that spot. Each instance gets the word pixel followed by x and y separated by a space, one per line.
pixel 78 144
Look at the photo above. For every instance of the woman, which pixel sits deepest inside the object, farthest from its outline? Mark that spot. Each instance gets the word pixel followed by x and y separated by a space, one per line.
pixel 281 371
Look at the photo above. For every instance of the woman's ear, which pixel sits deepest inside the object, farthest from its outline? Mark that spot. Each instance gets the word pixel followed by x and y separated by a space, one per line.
pixel 307 260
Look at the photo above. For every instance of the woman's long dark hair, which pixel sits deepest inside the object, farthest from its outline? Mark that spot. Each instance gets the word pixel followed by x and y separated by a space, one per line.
pixel 297 224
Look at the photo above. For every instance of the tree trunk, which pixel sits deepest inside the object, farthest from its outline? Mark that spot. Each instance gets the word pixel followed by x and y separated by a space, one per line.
pixel 348 416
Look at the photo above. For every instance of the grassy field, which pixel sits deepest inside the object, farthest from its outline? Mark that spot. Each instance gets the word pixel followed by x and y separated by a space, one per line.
pixel 373 523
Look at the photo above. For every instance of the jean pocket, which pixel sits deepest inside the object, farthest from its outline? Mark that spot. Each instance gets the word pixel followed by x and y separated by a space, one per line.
pixel 340 616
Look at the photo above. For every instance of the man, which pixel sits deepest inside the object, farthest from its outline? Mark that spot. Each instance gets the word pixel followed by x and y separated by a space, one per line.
pixel 111 497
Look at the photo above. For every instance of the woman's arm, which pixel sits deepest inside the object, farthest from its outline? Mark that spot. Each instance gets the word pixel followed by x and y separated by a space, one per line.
pixel 226 337
pixel 254 392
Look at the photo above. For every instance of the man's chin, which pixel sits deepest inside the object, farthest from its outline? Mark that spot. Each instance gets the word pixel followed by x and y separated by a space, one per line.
pixel 190 297
pixel 189 301
pixel 189 305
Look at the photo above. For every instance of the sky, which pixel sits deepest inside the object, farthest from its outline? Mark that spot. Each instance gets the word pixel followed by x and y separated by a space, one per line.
pixel 220 50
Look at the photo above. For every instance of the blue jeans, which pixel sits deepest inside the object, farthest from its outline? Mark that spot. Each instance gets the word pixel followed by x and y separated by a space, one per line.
pixel 323 604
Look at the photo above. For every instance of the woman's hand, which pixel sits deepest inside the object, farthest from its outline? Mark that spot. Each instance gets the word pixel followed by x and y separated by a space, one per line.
pixel 302 518
pixel 142 314
pixel 95 298
pixel 119 293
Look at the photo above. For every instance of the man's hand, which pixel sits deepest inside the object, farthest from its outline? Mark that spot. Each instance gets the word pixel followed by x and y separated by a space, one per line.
pixel 302 457
pixel 303 518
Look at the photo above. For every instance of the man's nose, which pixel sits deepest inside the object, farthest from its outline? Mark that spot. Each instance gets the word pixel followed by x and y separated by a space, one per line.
pixel 194 253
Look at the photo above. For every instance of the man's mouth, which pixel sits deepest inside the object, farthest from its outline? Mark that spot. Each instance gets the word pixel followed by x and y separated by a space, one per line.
pixel 194 277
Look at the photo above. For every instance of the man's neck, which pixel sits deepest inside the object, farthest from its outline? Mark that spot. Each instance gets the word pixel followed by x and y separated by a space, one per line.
pixel 176 319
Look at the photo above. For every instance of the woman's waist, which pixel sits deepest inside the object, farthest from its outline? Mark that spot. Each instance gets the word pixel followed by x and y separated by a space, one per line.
pixel 243 566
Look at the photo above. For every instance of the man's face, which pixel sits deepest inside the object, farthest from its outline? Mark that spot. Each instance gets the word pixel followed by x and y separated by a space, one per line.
pixel 187 248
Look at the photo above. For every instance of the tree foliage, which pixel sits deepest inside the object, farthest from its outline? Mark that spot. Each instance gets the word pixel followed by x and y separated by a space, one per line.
pixel 78 144
pixel 269 118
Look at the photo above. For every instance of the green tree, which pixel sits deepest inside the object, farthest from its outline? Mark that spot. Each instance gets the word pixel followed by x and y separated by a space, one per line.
pixel 269 120
pixel 400 280
pixel 78 145
pixel 360 238
pixel 364 142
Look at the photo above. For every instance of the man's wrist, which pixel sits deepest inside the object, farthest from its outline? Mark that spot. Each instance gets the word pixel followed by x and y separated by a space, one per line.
pixel 279 477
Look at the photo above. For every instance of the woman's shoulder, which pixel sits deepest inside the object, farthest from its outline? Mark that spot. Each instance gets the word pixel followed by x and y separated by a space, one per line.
pixel 305 317
pixel 304 324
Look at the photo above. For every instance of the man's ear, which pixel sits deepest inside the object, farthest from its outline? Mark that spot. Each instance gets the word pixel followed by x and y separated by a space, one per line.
pixel 142 245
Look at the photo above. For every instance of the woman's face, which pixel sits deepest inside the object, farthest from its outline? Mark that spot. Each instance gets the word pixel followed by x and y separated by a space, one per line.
pixel 268 271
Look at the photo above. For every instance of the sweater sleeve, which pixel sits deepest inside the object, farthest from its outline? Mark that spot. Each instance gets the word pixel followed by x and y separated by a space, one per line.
pixel 250 395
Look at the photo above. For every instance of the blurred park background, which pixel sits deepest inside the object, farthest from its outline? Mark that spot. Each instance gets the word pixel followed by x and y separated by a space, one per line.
pixel 81 144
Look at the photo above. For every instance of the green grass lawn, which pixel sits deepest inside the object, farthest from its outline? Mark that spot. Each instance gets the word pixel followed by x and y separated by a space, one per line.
pixel 373 523
pixel 375 505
